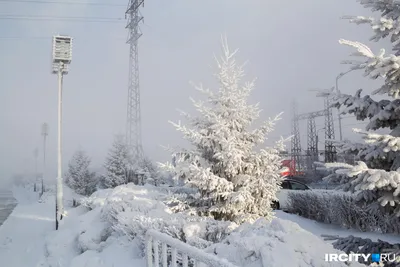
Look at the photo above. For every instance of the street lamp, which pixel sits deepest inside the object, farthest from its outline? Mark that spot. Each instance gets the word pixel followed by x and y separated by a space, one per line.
pixel 45 133
pixel 62 56
pixel 337 91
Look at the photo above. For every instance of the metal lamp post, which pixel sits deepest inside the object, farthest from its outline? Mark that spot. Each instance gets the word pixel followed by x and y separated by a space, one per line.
pixel 337 90
pixel 45 133
pixel 62 56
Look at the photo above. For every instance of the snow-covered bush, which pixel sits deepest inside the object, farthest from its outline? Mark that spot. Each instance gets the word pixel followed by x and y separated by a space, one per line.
pixel 79 177
pixel 234 180
pixel 275 243
pixel 133 210
pixel 147 172
pixel 335 207
pixel 118 164
pixel 102 235
pixel 376 177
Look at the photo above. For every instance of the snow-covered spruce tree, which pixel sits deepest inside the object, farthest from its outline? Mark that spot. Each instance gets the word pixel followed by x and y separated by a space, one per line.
pixel 79 177
pixel 376 176
pixel 117 165
pixel 233 179
pixel 147 173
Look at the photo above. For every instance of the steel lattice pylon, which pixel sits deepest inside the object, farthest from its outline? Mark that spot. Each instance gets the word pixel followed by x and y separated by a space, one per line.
pixel 295 144
pixel 330 149
pixel 312 152
pixel 133 127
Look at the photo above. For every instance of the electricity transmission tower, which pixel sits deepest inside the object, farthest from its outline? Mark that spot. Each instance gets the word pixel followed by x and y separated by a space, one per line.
pixel 312 151
pixel 133 127
pixel 312 138
pixel 296 145
pixel 330 149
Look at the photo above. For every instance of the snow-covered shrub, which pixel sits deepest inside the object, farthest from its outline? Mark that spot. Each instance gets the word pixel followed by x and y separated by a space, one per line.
pixel 147 172
pixel 132 210
pixel 341 209
pixel 275 243
pixel 79 177
pixel 234 180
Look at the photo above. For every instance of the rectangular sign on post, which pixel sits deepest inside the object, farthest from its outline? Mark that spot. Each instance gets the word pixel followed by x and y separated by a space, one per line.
pixel 62 49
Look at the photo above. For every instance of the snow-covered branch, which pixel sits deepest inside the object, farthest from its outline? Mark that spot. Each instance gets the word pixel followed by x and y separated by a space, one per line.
pixel 385 141
pixel 382 114
pixel 379 65
pixel 377 184
pixel 388 8
pixel 383 27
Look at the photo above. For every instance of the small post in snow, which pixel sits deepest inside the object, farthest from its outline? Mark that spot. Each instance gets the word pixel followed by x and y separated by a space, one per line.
pixel 45 133
pixel 35 154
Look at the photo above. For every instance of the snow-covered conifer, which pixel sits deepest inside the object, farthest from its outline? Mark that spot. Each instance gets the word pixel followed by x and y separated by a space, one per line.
pixel 376 177
pixel 147 173
pixel 118 164
pixel 234 178
pixel 79 177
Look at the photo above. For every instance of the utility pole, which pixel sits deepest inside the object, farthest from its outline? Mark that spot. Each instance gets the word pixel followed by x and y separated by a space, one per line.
pixel 133 128
pixel 36 155
pixel 44 134
pixel 338 92
pixel 62 56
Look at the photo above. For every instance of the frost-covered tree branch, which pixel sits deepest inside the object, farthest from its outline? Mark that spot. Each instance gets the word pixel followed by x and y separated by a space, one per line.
pixel 383 27
pixel 388 8
pixel 382 114
pixel 379 65
pixel 375 184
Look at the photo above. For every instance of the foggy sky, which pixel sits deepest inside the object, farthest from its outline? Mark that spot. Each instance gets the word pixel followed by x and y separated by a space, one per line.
pixel 290 46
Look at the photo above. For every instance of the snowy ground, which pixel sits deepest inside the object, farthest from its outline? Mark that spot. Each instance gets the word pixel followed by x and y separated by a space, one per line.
pixel 319 229
pixel 22 234
pixel 86 238
pixel 7 204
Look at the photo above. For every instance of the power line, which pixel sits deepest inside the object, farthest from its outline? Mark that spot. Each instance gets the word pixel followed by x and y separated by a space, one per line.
pixel 64 19
pixel 5 38
pixel 61 3
pixel 352 124
pixel 42 17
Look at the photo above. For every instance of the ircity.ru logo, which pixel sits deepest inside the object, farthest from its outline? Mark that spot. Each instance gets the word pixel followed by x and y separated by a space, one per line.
pixel 358 257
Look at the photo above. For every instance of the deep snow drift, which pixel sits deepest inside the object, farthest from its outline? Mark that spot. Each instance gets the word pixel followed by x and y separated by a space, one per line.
pixel 107 230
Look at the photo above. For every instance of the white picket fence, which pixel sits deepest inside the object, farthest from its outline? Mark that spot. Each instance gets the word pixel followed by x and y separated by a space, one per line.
pixel 174 251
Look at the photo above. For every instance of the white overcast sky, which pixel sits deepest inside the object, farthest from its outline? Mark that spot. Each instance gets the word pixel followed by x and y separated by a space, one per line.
pixel 290 46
